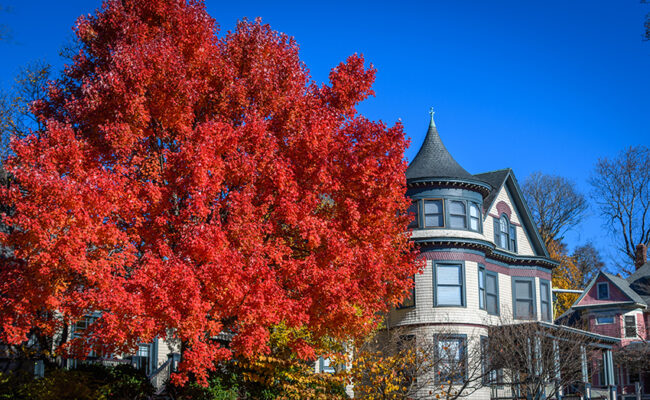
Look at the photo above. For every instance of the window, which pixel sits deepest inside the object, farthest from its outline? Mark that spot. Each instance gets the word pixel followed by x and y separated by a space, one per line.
pixel 409 301
pixel 142 358
pixel 414 210
pixel 545 300
pixel 474 218
pixel 523 291
pixel 451 355
pixel 512 246
pixel 481 287
pixel 604 320
pixel 488 291
pixel 603 291
pixel 449 285
pixel 326 365
pixel 433 214
pixel 630 326
pixel 492 292
pixel 457 214
pixel 505 234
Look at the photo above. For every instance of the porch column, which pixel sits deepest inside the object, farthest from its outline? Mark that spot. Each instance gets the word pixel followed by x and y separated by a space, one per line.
pixel 559 390
pixel 585 373
pixel 608 366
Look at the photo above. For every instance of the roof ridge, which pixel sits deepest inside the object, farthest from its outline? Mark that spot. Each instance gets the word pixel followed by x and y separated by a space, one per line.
pixel 496 170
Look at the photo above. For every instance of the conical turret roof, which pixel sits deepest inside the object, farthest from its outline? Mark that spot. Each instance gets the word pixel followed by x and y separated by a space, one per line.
pixel 434 161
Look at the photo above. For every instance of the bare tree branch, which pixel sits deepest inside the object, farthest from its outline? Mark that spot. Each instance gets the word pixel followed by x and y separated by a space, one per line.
pixel 555 204
pixel 621 189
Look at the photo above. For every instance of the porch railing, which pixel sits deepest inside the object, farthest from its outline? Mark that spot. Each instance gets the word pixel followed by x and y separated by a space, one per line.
pixel 161 374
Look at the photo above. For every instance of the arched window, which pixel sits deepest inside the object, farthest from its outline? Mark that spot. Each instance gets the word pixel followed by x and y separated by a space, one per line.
pixel 474 219
pixel 505 234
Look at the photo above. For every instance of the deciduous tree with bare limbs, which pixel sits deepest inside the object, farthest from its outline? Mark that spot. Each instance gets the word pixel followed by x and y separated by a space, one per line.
pixel 621 189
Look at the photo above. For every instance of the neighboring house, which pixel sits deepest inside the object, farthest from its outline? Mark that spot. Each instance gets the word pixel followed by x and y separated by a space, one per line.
pixel 157 358
pixel 613 306
pixel 486 264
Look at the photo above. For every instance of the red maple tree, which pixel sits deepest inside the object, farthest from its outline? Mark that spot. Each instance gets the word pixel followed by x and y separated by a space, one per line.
pixel 196 184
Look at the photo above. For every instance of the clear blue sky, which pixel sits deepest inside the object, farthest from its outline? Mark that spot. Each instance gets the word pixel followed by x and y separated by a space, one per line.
pixel 548 86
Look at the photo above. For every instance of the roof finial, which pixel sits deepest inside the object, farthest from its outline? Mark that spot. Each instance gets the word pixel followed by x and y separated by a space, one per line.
pixel 432 112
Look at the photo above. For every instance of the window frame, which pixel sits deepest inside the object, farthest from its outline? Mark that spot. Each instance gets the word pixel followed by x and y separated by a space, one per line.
pixel 479 226
pixel 510 233
pixel 424 215
pixel 464 215
pixel 463 343
pixel 463 283
pixel 496 294
pixel 598 286
pixel 625 327
pixel 531 281
pixel 482 297
pixel 549 314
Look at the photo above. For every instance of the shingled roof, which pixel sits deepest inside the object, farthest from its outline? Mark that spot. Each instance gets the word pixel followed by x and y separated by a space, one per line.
pixel 496 179
pixel 434 161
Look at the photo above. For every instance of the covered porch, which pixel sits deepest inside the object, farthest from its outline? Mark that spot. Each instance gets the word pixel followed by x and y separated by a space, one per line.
pixel 541 360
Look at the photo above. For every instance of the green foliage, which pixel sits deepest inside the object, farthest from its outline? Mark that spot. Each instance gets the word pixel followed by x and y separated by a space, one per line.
pixel 89 381
pixel 217 389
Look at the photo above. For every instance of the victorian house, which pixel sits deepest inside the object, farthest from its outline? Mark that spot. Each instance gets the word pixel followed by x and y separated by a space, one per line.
pixel 486 265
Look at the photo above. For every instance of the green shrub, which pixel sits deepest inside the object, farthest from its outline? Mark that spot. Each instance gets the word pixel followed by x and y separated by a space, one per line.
pixel 88 382
pixel 216 390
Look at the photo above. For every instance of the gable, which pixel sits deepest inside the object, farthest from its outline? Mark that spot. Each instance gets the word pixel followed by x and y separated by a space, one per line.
pixel 589 297
pixel 515 200
pixel 504 204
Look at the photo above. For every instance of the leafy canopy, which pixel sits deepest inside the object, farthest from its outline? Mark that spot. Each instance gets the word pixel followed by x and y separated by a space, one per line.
pixel 196 184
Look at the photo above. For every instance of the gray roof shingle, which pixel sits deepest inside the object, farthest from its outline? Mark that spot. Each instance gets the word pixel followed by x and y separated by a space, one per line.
pixel 434 161
pixel 496 180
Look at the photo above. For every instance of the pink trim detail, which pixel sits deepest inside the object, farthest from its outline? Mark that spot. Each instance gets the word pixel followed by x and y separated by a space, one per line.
pixel 458 256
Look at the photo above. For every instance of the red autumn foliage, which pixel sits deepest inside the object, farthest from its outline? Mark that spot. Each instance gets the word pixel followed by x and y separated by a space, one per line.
pixel 194 184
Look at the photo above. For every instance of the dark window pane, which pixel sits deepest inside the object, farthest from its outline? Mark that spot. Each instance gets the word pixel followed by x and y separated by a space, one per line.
pixel 603 290
pixel 630 326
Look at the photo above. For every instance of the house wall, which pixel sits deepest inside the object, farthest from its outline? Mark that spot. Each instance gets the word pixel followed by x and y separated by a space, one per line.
pixel 425 312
